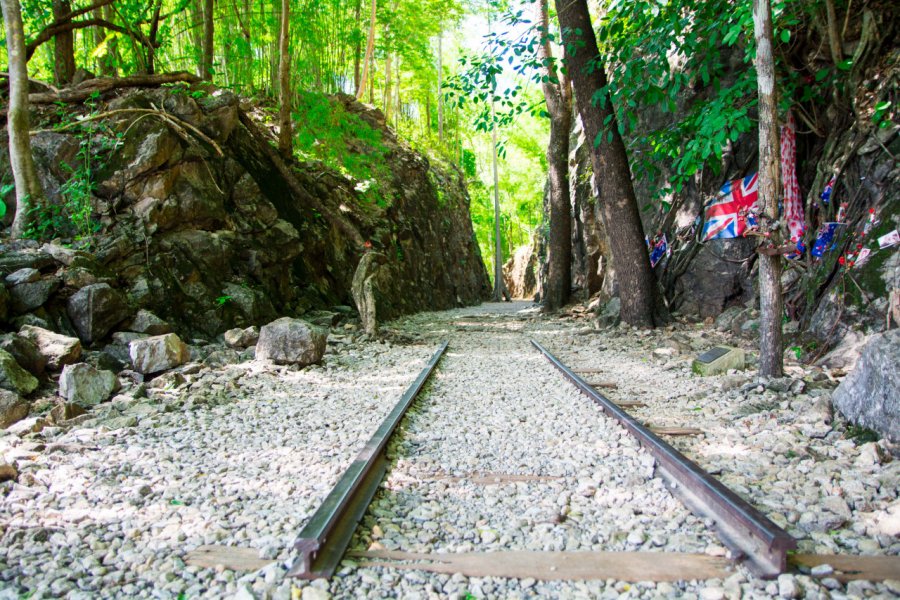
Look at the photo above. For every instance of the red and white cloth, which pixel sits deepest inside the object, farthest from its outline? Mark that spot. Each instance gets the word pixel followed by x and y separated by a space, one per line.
pixel 793 203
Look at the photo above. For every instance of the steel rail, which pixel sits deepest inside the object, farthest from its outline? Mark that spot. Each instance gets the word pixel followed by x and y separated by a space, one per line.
pixel 323 540
pixel 743 529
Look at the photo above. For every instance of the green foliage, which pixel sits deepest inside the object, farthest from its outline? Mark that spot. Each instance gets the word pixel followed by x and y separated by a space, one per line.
pixel 223 300
pixel 74 216
pixel 343 141
pixel 657 50
pixel 861 435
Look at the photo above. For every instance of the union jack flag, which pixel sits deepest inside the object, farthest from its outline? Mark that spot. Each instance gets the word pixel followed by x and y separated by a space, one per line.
pixel 726 214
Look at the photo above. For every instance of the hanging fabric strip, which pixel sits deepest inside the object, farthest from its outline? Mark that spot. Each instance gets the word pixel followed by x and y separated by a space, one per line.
pixel 793 203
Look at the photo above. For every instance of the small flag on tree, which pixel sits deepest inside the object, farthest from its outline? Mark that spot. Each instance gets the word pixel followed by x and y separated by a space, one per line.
pixel 824 239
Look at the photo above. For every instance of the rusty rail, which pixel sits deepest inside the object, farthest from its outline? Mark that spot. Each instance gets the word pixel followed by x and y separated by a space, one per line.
pixel 746 531
pixel 323 540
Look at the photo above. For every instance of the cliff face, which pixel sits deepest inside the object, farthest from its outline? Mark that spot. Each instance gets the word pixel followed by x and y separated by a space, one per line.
pixel 195 221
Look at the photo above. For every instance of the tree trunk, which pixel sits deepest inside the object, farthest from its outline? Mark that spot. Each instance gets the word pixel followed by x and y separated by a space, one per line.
pixel 638 290
pixel 206 67
pixel 387 98
pixel 29 193
pixel 151 47
pixel 498 247
pixel 64 46
pixel 285 136
pixel 770 298
pixel 112 46
pixel 558 285
pixel 370 51
pixel 440 98
pixel 357 53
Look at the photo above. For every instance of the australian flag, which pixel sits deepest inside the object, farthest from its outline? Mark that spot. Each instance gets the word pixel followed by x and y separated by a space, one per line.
pixel 829 187
pixel 660 247
pixel 824 239
pixel 725 214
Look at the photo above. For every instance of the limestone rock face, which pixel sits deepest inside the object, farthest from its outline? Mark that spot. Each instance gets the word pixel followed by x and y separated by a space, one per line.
pixel 13 377
pixel 57 349
pixel 870 394
pixel 95 310
pixel 158 353
pixel 519 273
pixel 12 408
pixel 86 386
pixel 291 341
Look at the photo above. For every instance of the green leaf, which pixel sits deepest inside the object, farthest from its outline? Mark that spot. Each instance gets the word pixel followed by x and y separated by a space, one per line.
pixel 845 65
pixel 785 35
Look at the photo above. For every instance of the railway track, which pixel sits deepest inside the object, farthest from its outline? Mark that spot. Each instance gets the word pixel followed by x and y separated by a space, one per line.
pixel 559 502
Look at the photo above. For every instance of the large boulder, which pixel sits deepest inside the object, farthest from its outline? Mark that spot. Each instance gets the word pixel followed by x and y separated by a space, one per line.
pixel 870 394
pixel 59 350
pixel 12 408
pixel 25 352
pixel 158 353
pixel 13 377
pixel 86 386
pixel 29 296
pixel 95 310
pixel 291 341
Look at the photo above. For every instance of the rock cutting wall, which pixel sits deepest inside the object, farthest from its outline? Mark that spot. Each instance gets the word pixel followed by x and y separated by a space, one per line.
pixel 207 234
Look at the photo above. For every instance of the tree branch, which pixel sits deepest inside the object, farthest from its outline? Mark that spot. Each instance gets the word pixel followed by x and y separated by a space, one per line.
pixel 48 33
pixel 105 84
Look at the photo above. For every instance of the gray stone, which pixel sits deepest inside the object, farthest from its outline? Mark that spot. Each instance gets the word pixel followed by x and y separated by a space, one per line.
pixel 13 260
pixel 242 338
pixel 610 314
pixel 12 408
pixel 124 338
pixel 26 275
pixel 870 394
pixel 58 349
pixel 95 310
pixel 85 386
pixel 25 352
pixel 788 587
pixel 158 353
pixel 29 296
pixel 291 341
pixel 718 360
pixel 146 322
pixel 13 377
pixel 4 303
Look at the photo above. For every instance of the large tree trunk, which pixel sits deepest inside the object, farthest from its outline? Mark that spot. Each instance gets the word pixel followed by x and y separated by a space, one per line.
pixel 64 46
pixel 29 193
pixel 558 285
pixel 770 298
pixel 206 68
pixel 285 136
pixel 370 51
pixel 638 289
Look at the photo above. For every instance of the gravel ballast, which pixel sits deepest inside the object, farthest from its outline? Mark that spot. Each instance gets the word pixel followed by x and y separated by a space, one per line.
pixel 242 455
